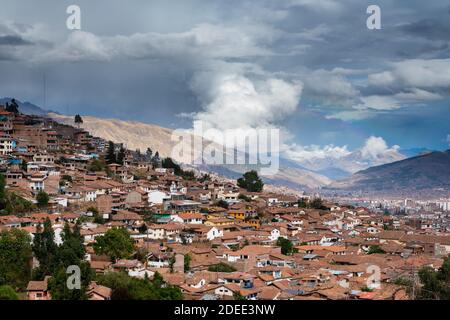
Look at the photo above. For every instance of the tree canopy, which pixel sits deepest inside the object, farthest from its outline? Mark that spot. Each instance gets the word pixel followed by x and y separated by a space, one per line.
pixel 116 243
pixel 8 293
pixel 54 261
pixel 42 198
pixel 375 249
pixel 15 258
pixel 44 249
pixel 251 182
pixel 286 245
pixel 221 267
pixel 111 154
pixel 12 107
pixel 121 156
pixel 125 287
pixel 435 284
pixel 97 165
pixel 78 120
pixel 10 202
pixel 316 203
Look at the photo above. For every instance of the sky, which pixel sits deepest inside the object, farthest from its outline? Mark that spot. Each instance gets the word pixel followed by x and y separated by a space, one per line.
pixel 309 67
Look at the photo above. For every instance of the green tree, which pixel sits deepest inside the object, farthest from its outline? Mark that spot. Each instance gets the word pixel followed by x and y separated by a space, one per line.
pixel 188 175
pixel 204 178
pixel 97 165
pixel 125 287
pixel 148 154
pixel 187 262
pixel 78 120
pixel 286 245
pixel 8 293
pixel 251 182
pixel 14 204
pixel 2 188
pixel 238 296
pixel 99 219
pixel 375 249
pixel 67 177
pixel 221 267
pixel 116 243
pixel 168 163
pixel 12 107
pixel 72 250
pixel 317 203
pixel 111 155
pixel 42 198
pixel 121 156
pixel 204 210
pixel 58 283
pixel 15 258
pixel 244 197
pixel 70 253
pixel 435 284
pixel 302 203
pixel 222 204
pixel 44 249
pixel 156 160
pixel 444 270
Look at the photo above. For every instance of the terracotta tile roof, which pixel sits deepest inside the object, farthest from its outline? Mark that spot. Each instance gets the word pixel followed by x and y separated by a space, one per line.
pixel 187 216
pixel 100 290
pixel 126 215
pixel 268 293
pixel 100 265
pixel 38 285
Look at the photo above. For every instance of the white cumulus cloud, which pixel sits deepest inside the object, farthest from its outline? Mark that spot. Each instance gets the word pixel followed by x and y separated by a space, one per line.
pixel 375 147
pixel 415 73
pixel 307 153
pixel 234 100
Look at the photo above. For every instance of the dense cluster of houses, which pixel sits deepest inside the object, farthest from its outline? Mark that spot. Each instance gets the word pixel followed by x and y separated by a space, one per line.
pixel 234 250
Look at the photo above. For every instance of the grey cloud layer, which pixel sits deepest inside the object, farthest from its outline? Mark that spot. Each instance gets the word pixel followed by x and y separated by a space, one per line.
pixel 229 61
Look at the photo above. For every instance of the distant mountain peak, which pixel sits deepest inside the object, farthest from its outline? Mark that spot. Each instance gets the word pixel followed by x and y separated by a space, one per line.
pixel 25 107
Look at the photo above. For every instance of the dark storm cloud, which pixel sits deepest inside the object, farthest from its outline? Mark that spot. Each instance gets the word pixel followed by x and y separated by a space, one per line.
pixel 139 60
pixel 11 40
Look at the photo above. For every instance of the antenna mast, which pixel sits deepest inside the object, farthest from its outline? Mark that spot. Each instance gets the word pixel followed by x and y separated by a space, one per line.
pixel 45 91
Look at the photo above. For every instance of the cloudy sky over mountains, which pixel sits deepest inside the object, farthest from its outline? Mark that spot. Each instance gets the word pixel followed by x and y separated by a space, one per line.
pixel 310 67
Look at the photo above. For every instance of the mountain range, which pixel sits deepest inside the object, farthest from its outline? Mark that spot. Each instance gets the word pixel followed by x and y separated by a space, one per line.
pixel 424 174
pixel 390 170
pixel 337 168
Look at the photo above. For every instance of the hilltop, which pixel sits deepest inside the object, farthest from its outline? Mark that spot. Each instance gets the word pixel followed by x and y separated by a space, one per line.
pixel 421 174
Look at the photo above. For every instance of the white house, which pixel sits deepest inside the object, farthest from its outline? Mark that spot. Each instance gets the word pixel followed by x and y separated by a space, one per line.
pixel 157 196
pixel 189 218
pixel 274 234
pixel 214 233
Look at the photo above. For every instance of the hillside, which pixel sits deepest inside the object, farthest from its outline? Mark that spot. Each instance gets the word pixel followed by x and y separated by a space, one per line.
pixel 138 135
pixel 25 107
pixel 420 174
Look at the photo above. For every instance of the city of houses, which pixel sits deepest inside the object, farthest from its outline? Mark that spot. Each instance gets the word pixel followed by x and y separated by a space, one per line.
pixel 233 237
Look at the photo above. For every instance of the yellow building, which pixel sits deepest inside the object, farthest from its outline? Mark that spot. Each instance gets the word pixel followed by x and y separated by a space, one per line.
pixel 219 222
pixel 254 223
pixel 237 214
